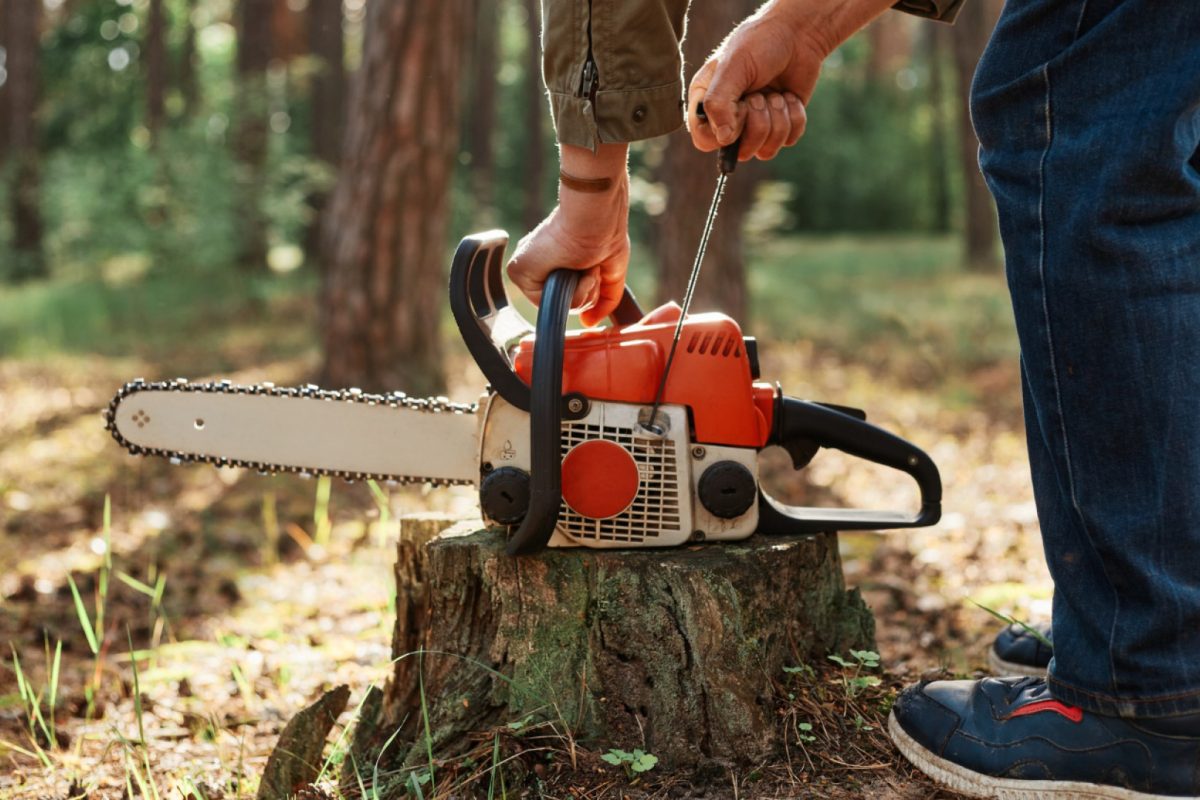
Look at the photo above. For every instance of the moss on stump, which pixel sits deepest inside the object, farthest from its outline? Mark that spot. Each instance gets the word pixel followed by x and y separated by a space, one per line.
pixel 673 651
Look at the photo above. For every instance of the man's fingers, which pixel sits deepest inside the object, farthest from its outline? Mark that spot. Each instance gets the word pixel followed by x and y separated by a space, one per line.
pixel 780 127
pixel 757 128
pixel 798 117
pixel 702 133
pixel 588 282
pixel 730 80
pixel 611 288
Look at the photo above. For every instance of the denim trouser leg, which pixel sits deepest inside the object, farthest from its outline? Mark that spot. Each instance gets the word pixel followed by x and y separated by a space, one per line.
pixel 1088 114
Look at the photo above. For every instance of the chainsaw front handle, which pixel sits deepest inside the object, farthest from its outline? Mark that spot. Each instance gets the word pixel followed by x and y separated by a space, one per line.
pixel 802 428
pixel 545 417
pixel 488 322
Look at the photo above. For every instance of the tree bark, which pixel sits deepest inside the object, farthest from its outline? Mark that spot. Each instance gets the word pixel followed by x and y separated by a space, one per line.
pixel 481 106
pixel 22 21
pixel 384 236
pixel 4 115
pixel 326 42
pixel 674 652
pixel 689 177
pixel 974 26
pixel 533 207
pixel 936 47
pixel 156 69
pixel 189 86
pixel 250 135
pixel 890 45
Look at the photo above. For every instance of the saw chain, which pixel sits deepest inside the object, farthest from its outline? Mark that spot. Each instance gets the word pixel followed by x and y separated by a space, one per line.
pixel 430 405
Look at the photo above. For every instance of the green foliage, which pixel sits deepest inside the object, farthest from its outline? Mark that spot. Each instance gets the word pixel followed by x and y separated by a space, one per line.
pixel 1010 620
pixel 852 677
pixel 634 763
pixel 868 160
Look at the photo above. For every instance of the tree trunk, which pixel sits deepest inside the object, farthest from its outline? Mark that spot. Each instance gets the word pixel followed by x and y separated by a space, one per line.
pixel 250 135
pixel 384 234
pixel 327 45
pixel 481 106
pixel 674 652
pixel 189 86
pixel 4 115
pixel 156 69
pixel 22 21
pixel 533 208
pixel 689 177
pixel 890 46
pixel 974 26
pixel 936 46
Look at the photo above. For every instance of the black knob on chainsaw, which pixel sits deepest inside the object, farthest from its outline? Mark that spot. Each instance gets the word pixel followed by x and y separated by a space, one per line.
pixel 727 489
pixel 504 495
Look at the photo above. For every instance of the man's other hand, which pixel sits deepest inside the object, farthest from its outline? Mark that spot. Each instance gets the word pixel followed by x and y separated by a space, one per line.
pixel 758 82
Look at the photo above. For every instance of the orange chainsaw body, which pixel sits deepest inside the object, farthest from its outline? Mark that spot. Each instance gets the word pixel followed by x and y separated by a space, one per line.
pixel 711 375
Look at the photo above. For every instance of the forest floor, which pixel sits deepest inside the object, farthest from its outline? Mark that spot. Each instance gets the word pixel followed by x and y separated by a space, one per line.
pixel 243 597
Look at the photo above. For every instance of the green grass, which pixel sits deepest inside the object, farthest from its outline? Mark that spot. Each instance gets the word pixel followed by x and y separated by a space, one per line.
pixel 138 314
pixel 905 301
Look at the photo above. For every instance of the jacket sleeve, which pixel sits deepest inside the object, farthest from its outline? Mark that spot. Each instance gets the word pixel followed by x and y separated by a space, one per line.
pixel 940 10
pixel 613 68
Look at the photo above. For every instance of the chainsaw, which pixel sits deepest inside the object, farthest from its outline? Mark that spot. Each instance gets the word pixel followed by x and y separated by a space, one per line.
pixel 573 442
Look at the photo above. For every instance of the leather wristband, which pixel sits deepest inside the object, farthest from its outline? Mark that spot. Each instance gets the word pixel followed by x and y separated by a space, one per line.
pixel 586 185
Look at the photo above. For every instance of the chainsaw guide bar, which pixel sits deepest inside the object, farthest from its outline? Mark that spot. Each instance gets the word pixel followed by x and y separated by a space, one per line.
pixel 453 423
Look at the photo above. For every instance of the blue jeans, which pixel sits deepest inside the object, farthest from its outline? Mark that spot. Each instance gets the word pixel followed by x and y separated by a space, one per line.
pixel 1088 115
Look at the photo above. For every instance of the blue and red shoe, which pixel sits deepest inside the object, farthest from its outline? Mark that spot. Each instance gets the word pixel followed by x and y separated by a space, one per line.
pixel 1018 651
pixel 1008 738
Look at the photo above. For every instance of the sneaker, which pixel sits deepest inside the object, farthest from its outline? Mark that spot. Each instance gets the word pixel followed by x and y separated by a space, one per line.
pixel 1008 738
pixel 1016 651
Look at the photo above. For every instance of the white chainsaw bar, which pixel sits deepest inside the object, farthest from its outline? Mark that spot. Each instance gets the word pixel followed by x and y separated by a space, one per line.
pixel 303 430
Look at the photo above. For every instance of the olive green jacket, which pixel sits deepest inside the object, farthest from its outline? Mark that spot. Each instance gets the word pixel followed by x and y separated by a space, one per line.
pixel 613 69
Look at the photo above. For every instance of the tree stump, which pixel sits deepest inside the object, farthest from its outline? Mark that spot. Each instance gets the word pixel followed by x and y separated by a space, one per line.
pixel 676 652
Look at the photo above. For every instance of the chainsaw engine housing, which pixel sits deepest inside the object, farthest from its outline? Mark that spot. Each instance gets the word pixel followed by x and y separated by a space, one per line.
pixel 646 487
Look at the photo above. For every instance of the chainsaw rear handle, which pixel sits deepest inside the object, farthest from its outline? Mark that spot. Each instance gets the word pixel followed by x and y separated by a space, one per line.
pixel 488 322
pixel 801 428
pixel 545 417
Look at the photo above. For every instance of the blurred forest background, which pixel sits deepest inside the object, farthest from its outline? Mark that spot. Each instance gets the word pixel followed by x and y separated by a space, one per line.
pixel 271 190
pixel 170 159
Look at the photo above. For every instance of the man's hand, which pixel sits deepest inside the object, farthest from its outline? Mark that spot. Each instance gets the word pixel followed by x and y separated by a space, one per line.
pixel 587 231
pixel 758 82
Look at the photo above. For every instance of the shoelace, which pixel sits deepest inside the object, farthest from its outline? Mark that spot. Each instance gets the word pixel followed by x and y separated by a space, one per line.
pixel 1021 684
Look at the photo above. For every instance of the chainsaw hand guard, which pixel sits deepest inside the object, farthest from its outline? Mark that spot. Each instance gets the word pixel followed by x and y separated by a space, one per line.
pixel 802 428
pixel 545 417
pixel 488 322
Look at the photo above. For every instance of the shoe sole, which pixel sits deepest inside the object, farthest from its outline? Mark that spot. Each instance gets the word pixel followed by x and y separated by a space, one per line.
pixel 975 784
pixel 1004 668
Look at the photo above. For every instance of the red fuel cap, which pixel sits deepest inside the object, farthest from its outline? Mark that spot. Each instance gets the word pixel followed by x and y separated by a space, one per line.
pixel 599 479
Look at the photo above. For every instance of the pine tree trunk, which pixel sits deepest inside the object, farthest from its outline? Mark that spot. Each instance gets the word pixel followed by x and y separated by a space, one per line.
pixel 481 106
pixel 327 45
pixel 936 47
pixel 384 234
pixel 974 26
pixel 250 134
pixel 689 177
pixel 533 207
pixel 4 116
pixel 676 652
pixel 156 69
pixel 22 21
pixel 188 85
